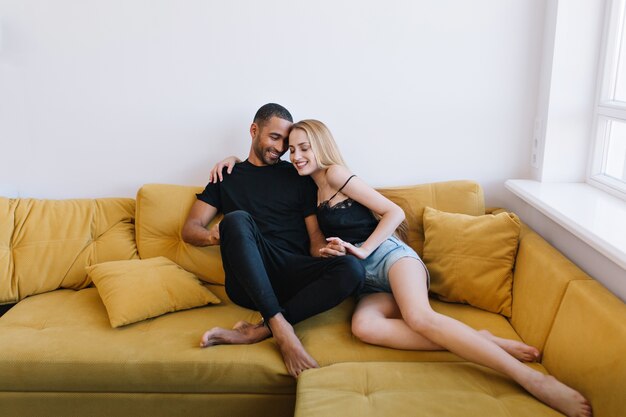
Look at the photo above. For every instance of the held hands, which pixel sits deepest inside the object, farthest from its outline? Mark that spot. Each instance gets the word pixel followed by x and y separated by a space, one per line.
pixel 216 171
pixel 337 247
pixel 332 249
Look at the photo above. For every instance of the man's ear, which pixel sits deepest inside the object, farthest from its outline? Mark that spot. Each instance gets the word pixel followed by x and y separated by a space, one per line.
pixel 254 129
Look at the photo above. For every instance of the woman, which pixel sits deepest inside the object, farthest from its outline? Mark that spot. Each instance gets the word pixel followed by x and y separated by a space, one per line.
pixel 394 309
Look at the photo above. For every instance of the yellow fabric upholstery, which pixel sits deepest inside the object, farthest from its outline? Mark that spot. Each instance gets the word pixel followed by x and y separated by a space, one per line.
pixel 60 356
pixel 76 350
pixel 162 210
pixel 46 244
pixel 138 289
pixel 8 285
pixel 585 348
pixel 470 258
pixel 539 282
pixel 413 389
pixel 452 196
pixel 329 339
pixel 63 404
pixel 161 214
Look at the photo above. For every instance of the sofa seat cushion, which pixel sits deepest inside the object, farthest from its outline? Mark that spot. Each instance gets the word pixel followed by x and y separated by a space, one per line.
pixel 328 336
pixel 62 341
pixel 408 389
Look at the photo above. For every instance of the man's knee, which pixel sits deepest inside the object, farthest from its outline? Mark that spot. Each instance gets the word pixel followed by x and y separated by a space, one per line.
pixel 352 273
pixel 235 222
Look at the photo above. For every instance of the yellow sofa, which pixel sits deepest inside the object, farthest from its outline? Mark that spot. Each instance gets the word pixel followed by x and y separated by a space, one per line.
pixel 59 354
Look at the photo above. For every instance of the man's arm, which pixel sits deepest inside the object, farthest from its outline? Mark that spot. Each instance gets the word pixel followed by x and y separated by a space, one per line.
pixel 319 246
pixel 194 231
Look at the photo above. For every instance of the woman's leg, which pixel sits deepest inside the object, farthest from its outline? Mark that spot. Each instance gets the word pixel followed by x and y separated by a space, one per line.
pixel 377 320
pixel 407 278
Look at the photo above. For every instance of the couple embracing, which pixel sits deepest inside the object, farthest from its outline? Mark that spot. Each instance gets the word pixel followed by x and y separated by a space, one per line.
pixel 299 238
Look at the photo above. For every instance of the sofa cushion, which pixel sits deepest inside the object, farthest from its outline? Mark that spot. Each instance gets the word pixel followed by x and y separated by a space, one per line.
pixel 46 244
pixel 411 389
pixel 540 279
pixel 162 210
pixel 8 285
pixel 470 258
pixel 329 339
pixel 138 289
pixel 62 341
pixel 452 196
pixel 161 213
pixel 585 348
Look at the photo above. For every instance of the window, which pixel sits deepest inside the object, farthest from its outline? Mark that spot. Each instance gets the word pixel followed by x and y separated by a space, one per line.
pixel 608 166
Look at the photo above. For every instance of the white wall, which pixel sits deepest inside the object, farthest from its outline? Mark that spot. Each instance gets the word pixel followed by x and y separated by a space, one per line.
pixel 99 97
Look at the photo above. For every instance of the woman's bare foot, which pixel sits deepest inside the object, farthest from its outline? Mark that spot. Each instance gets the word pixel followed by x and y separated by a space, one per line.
pixel 559 396
pixel 295 356
pixel 519 350
pixel 242 333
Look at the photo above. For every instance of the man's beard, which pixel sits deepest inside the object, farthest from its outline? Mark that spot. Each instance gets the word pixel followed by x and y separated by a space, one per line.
pixel 264 155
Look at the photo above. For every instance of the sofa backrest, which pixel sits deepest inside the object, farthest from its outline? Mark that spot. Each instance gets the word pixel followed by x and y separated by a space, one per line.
pixel 585 348
pixel 540 279
pixel 464 197
pixel 162 211
pixel 46 244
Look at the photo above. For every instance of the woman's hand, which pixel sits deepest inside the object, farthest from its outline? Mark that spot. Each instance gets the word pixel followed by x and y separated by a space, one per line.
pixel 359 252
pixel 332 249
pixel 216 171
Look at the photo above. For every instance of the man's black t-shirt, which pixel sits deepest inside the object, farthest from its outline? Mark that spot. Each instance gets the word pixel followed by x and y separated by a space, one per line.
pixel 277 198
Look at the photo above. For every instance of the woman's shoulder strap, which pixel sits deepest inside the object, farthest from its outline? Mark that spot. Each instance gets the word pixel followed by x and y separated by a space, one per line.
pixel 342 187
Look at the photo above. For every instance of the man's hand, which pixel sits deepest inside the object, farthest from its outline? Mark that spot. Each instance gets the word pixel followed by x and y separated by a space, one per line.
pixel 332 249
pixel 216 171
pixel 214 234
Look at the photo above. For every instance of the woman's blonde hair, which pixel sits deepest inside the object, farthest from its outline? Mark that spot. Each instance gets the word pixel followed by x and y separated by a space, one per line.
pixel 327 154
pixel 322 142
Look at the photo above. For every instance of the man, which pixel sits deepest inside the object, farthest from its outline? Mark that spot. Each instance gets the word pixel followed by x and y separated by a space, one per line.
pixel 268 225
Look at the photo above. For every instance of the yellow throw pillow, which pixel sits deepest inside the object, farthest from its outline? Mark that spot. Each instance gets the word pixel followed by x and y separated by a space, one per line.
pixel 138 289
pixel 470 258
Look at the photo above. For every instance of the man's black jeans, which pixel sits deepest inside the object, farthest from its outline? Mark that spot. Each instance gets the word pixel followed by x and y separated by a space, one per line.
pixel 264 277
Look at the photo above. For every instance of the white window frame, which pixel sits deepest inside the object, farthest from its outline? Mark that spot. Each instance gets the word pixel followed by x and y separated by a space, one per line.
pixel 606 108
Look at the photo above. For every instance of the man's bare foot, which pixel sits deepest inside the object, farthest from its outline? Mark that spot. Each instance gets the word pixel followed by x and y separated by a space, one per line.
pixel 559 396
pixel 242 333
pixel 519 350
pixel 295 356
pixel 242 324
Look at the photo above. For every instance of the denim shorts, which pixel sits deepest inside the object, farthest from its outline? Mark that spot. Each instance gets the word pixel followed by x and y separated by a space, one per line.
pixel 378 264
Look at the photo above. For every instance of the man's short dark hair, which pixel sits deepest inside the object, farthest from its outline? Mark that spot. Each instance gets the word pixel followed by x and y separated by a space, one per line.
pixel 269 110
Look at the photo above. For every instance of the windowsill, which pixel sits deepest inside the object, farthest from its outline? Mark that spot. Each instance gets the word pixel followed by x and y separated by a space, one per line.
pixel 595 217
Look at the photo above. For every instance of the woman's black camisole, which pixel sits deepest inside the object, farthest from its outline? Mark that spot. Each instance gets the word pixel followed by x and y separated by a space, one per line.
pixel 348 220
